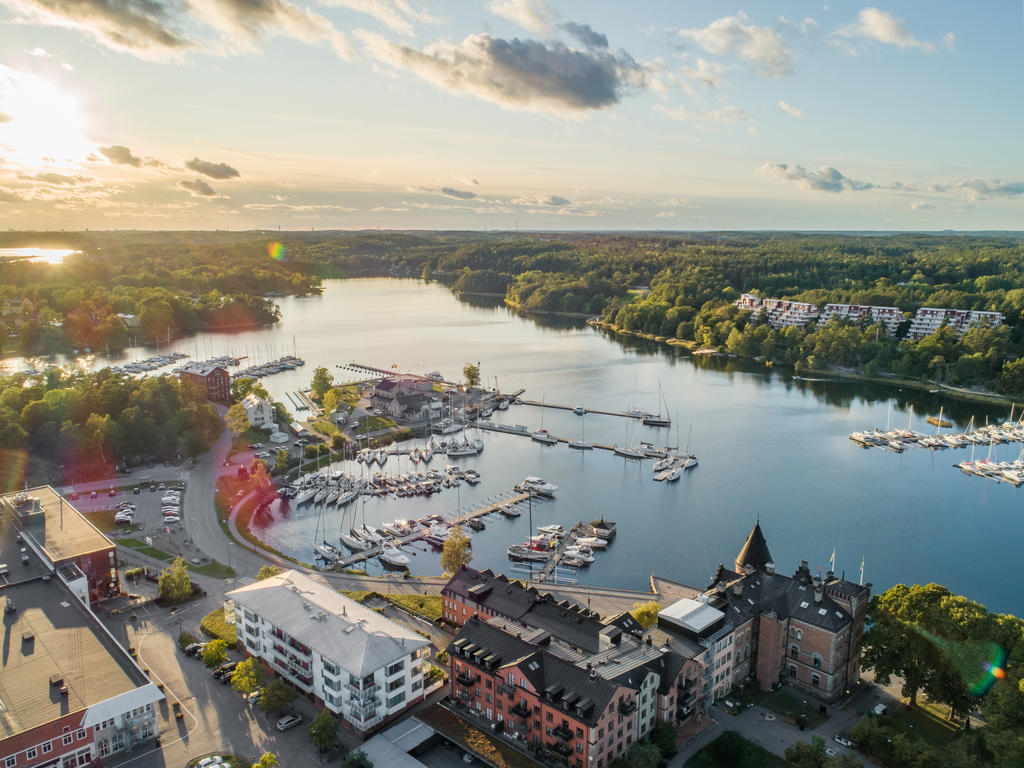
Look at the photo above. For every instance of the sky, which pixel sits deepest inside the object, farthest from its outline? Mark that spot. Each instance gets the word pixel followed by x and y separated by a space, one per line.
pixel 503 114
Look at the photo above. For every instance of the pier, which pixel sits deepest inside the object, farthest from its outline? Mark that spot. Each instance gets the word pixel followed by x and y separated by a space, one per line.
pixel 621 414
pixel 312 407
pixel 549 571
pixel 525 432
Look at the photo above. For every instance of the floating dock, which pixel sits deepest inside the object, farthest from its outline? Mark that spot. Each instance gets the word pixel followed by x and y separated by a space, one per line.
pixel 621 414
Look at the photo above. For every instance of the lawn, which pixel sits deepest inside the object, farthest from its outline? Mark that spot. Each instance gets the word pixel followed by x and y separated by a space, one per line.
pixel 427 606
pixel 787 705
pixel 349 395
pixel 144 548
pixel 214 570
pixel 922 724
pixel 374 424
pixel 215 625
pixel 730 750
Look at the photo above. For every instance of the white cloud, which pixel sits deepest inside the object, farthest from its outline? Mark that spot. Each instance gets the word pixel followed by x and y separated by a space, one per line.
pixel 40 53
pixel 396 15
pixel 982 189
pixel 882 27
pixel 702 119
pixel 949 40
pixel 825 179
pixel 791 110
pixel 738 35
pixel 535 15
pixel 921 205
pixel 708 73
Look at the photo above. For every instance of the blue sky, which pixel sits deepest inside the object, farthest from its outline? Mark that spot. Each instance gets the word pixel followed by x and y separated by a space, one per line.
pixel 488 114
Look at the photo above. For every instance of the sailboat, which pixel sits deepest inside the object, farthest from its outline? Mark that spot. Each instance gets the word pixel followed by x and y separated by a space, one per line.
pixel 657 420
pixel 542 436
pixel 628 453
pixel 581 444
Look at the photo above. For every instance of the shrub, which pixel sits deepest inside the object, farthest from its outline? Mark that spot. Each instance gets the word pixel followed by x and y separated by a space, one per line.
pixel 185 639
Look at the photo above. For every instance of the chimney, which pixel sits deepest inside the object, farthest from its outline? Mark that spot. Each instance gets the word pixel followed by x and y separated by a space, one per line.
pixel 819 592
pixel 769 568
pixel 748 569
pixel 737 589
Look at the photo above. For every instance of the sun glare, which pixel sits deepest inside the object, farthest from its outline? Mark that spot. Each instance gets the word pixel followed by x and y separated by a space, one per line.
pixel 42 125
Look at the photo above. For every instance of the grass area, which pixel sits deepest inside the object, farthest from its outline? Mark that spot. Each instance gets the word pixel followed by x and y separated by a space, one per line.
pixel 429 607
pixel 349 395
pixel 215 625
pixel 923 724
pixel 494 751
pixel 325 427
pixel 360 596
pixel 146 549
pixel 375 424
pixel 730 750
pixel 787 705
pixel 214 570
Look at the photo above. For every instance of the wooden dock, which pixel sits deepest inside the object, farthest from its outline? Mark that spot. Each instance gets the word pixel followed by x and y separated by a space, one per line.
pixel 548 571
pixel 556 406
pixel 527 433
pixel 358 557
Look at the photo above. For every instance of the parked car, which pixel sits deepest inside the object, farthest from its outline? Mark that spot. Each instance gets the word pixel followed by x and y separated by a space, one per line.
pixel 93 495
pixel 288 721
pixel 192 649
pixel 840 739
pixel 225 669
pixel 74 495
pixel 111 492
pixel 136 490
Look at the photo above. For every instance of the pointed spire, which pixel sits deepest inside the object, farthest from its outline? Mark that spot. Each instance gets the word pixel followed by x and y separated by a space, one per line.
pixel 755 551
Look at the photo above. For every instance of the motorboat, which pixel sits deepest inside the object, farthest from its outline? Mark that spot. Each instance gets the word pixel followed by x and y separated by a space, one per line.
pixel 509 511
pixel 503 405
pixel 543 437
pixel 369 534
pixel 521 552
pixel 583 553
pixel 579 445
pixel 594 542
pixel 486 413
pixel 475 524
pixel 537 485
pixel 554 530
pixel 579 410
pixel 392 557
pixel 672 475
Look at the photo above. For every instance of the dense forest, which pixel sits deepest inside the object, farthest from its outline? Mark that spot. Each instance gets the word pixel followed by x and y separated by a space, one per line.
pixel 63 427
pixel 674 286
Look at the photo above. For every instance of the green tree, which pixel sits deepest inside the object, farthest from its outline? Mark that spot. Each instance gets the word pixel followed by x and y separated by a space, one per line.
pixel 267 760
pixel 357 759
pixel 804 755
pixel 644 755
pixel 275 695
pixel 471 374
pixel 281 457
pixel 843 760
pixel 266 572
pixel 175 585
pixel 322 380
pixel 646 613
pixel 236 419
pixel 215 652
pixel 663 736
pixel 323 731
pixel 330 401
pixel 243 386
pixel 456 552
pixel 248 676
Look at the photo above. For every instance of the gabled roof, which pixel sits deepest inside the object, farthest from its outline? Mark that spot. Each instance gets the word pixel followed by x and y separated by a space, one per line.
pixel 347 633
pixel 755 551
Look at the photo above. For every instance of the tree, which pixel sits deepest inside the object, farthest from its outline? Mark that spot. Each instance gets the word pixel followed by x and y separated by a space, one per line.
pixel 266 572
pixel 644 755
pixel 281 461
pixel 175 586
pixel 471 374
pixel 664 736
pixel 248 676
pixel 323 731
pixel 456 552
pixel 215 653
pixel 267 760
pixel 357 759
pixel 804 755
pixel 843 760
pixel 322 380
pixel 275 695
pixel 646 613
pixel 330 402
pixel 236 418
pixel 243 386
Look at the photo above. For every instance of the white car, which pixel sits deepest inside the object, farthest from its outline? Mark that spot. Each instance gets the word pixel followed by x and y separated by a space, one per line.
pixel 288 721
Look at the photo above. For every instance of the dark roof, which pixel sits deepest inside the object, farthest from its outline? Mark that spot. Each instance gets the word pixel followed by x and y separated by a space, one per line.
pixel 553 678
pixel 386 385
pixel 755 551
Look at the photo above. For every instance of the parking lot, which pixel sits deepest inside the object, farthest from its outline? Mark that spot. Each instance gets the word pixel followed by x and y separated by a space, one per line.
pixel 147 498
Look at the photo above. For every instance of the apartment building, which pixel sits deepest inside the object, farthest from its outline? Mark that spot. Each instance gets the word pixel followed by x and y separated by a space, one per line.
pixel 780 312
pixel 855 314
pixel 929 319
pixel 348 658
pixel 212 378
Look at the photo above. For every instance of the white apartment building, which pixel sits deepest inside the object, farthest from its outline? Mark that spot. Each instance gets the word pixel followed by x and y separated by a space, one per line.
pixel 259 412
pixel 890 317
pixel 928 320
pixel 781 312
pixel 357 663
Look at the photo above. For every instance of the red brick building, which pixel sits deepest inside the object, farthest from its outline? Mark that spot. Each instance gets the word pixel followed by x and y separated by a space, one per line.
pixel 213 379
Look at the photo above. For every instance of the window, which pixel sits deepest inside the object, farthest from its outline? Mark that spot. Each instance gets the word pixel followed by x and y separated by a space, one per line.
pixel 511 679
pixel 579 733
pixel 10 762
pixel 399 697
pixel 329 668
pixel 794 652
pixel 815 680
pixel 67 739
pixel 47 747
pixel 81 734
pixel 395 668
pixel 31 753
pixel 816 659
pixel 792 671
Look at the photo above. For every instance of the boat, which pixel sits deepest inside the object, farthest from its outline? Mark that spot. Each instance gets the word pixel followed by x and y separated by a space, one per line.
pixel 672 475
pixel 537 485
pixel 354 542
pixel 509 511
pixel 347 497
pixel 579 410
pixel 370 535
pixel 581 444
pixel 305 496
pixel 434 541
pixel 475 524
pixel 392 557
pixel 628 453
pixel 414 454
pixel 544 437
pixel 938 421
pixel 554 529
pixel 464 448
pixel 603 529
pixel 503 405
pixel 320 496
pixel 332 496
pixel 426 454
pixel 486 413
pixel 656 419
pixel 663 464
pixel 594 542
pixel 583 553
pixel 689 462
pixel 328 552
pixel 522 552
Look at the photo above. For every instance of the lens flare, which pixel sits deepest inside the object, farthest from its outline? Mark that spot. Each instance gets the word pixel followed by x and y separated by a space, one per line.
pixel 994 670
pixel 276 251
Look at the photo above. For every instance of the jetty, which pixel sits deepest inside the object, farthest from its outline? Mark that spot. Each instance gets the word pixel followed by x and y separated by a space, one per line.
pixel 549 571
pixel 519 429
pixel 638 415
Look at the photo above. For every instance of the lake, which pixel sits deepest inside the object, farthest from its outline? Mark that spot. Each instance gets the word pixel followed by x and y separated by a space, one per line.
pixel 769 447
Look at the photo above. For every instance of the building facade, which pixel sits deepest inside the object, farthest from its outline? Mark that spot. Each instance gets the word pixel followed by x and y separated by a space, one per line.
pixel 214 380
pixel 259 412
pixel 350 659
pixel 890 317
pixel 779 312
pixel 928 320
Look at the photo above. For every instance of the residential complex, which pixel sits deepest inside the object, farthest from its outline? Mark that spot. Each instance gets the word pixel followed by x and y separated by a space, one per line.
pixel 212 378
pixel 54 530
pixel 780 312
pixel 347 657
pixel 928 320
pixel 69 692
pixel 890 317
pixel 259 412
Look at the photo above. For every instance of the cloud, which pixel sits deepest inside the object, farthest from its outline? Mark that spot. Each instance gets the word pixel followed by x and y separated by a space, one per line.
pixel 921 205
pixel 40 53
pixel 213 170
pixel 242 23
pixel 737 35
pixel 297 208
pixel 457 194
pixel 708 73
pixel 141 27
pixel 791 110
pixel 517 74
pixel 882 27
pixel 57 179
pixel 9 197
pixel 982 189
pixel 396 15
pixel 5 118
pixel 949 40
pixel 535 15
pixel 553 201
pixel 197 188
pixel 120 155
pixel 825 179
pixel 727 115
pixel 585 34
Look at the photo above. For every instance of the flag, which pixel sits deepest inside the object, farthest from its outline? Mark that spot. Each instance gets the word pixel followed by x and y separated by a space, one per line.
pixel 832 560
pixel 862 571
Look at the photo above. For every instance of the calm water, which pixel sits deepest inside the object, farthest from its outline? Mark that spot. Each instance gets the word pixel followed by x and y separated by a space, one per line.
pixel 768 447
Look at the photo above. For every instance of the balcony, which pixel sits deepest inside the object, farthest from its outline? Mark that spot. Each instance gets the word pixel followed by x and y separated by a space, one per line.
pixel 561 748
pixel 359 692
pixel 508 690
pixel 465 679
pixel 564 732
pixel 363 710
pixel 627 707
pixel 520 710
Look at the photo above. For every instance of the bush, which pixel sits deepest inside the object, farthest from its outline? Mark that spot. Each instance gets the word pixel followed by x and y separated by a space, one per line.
pixel 442 657
pixel 215 653
pixel 185 639
pixel 215 625
pixel 134 573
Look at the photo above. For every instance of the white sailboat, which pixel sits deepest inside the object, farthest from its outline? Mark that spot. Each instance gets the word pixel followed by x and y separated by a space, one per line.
pixel 582 444
pixel 656 419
